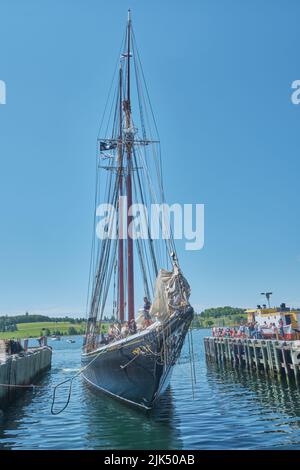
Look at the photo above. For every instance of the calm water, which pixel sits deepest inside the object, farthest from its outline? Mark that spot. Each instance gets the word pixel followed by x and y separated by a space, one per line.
pixel 230 410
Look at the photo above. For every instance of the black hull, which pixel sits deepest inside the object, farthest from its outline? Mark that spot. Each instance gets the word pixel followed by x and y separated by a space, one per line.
pixel 137 370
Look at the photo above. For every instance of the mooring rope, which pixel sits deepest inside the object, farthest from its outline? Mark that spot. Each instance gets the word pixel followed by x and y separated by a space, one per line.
pixel 71 383
pixel 193 356
pixel 192 365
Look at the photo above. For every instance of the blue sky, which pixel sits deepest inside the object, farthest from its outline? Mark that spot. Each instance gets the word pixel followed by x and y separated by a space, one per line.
pixel 219 74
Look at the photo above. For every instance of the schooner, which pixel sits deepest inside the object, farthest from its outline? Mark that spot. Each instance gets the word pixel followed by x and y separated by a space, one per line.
pixel 133 362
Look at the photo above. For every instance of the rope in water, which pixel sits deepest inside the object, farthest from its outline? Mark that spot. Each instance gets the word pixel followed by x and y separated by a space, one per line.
pixel 71 383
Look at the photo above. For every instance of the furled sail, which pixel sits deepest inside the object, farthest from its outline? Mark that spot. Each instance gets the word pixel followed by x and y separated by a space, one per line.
pixel 172 291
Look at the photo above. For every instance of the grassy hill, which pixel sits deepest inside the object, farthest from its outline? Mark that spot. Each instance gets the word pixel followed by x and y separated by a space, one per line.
pixel 33 330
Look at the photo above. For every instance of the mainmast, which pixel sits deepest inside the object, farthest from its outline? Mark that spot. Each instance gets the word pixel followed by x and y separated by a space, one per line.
pixel 129 137
pixel 120 242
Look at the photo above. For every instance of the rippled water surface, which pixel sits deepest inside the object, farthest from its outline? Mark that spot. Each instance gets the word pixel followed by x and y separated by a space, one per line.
pixel 231 409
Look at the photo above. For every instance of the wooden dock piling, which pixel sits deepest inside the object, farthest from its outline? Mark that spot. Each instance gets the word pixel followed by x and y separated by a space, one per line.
pixel 19 370
pixel 272 356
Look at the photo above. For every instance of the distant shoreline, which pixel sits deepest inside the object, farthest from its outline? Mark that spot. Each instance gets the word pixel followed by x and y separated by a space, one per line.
pixel 72 327
pixel 37 329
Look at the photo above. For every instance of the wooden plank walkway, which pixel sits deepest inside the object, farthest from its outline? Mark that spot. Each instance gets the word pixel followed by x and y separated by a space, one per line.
pixel 273 356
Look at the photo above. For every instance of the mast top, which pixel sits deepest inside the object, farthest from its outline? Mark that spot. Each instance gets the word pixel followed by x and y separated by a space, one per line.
pixel 129 15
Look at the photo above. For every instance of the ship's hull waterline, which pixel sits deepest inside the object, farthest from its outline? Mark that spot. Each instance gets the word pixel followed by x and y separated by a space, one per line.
pixel 137 370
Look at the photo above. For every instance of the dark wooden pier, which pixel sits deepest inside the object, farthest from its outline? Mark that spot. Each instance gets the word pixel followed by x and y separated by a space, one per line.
pixel 19 370
pixel 273 356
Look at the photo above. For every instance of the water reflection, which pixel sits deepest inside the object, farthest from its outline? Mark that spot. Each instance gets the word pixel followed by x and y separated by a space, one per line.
pixel 12 419
pixel 272 395
pixel 231 409
pixel 113 425
pixel 91 421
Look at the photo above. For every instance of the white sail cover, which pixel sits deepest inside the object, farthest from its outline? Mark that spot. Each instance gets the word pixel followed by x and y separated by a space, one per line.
pixel 172 292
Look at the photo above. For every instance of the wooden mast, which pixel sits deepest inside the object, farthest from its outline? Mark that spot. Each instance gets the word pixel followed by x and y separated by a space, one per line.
pixel 127 108
pixel 120 242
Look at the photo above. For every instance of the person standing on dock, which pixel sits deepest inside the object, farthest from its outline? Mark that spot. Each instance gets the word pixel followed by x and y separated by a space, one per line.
pixel 274 331
pixel 281 329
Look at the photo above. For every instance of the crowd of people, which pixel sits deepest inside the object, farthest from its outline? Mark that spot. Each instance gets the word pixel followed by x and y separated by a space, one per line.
pixel 119 330
pixel 251 330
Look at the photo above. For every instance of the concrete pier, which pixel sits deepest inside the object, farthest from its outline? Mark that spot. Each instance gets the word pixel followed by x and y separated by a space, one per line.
pixel 273 356
pixel 23 368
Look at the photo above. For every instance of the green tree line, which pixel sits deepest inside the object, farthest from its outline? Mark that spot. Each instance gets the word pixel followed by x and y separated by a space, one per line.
pixel 7 324
pixel 219 316
pixel 57 332
pixel 27 318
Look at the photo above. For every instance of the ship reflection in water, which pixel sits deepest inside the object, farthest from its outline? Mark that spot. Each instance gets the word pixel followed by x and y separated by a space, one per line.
pixel 231 409
pixel 123 427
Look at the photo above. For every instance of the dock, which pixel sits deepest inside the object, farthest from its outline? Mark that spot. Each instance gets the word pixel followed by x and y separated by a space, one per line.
pixel 272 356
pixel 21 368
